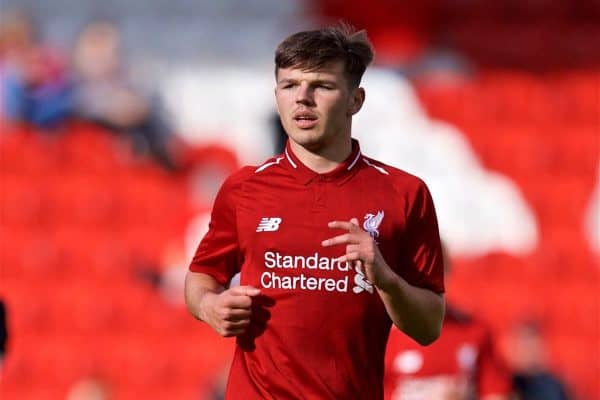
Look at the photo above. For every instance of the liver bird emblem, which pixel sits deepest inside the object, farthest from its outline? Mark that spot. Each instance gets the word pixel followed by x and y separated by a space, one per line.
pixel 372 222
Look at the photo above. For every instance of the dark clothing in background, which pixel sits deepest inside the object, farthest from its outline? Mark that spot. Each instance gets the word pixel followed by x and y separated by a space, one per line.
pixel 541 386
pixel 3 330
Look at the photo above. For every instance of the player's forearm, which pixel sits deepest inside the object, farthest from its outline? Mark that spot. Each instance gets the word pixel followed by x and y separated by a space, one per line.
pixel 496 397
pixel 198 290
pixel 416 311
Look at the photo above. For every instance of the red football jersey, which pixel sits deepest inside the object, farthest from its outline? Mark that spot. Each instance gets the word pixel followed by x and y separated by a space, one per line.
pixel 318 329
pixel 460 365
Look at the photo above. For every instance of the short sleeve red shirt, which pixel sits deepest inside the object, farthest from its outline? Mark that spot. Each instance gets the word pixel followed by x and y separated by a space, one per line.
pixel 319 329
pixel 462 363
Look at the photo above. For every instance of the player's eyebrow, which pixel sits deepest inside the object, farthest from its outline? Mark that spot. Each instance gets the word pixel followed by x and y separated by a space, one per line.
pixel 287 80
pixel 311 82
pixel 324 82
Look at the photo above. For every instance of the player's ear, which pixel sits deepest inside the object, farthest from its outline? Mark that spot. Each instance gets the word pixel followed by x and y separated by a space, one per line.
pixel 357 99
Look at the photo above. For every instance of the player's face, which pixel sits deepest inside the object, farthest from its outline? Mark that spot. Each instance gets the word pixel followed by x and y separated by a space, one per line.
pixel 316 107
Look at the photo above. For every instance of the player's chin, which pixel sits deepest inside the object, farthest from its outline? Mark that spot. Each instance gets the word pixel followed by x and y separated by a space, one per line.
pixel 309 139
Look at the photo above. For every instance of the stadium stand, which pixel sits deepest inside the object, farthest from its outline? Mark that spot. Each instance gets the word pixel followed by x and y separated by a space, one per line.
pixel 553 158
pixel 79 215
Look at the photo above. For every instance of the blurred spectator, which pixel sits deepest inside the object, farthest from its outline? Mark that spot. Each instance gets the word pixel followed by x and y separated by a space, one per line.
pixel 532 380
pixel 34 83
pixel 3 332
pixel 107 96
pixel 217 389
pixel 278 133
pixel 438 67
pixel 461 365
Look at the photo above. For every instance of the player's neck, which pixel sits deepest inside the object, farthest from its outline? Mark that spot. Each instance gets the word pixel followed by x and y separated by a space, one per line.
pixel 325 159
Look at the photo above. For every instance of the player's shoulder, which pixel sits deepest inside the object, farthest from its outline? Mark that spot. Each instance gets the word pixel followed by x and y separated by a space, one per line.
pixel 398 177
pixel 239 176
pixel 268 166
pixel 248 172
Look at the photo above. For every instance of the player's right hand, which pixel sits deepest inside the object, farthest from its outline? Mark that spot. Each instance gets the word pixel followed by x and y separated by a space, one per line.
pixel 229 312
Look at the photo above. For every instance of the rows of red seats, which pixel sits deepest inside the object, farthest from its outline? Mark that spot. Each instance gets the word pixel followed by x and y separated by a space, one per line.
pixel 80 218
pixel 543 35
pixel 79 214
pixel 542 132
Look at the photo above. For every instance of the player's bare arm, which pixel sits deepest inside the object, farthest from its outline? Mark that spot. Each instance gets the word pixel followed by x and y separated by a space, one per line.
pixel 416 311
pixel 228 312
pixel 496 397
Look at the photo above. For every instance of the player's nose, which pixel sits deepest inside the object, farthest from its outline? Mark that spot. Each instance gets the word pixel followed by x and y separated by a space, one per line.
pixel 304 94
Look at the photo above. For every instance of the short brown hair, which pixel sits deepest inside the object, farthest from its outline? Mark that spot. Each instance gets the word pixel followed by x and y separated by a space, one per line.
pixel 312 50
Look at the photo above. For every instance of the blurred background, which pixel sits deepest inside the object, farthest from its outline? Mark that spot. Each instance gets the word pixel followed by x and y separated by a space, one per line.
pixel 120 119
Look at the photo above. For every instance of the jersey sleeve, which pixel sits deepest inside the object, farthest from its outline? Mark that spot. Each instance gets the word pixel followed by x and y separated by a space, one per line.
pixel 492 375
pixel 218 253
pixel 421 250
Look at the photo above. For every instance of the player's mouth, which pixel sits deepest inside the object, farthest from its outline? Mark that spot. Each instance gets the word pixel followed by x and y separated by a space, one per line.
pixel 305 119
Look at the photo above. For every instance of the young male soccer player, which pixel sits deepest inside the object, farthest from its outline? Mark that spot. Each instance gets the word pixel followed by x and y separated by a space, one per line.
pixel 332 246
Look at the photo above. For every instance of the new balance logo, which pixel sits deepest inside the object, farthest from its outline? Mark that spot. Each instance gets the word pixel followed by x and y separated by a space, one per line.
pixel 268 224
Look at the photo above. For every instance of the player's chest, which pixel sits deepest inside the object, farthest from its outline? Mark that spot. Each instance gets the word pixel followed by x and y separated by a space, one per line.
pixel 295 219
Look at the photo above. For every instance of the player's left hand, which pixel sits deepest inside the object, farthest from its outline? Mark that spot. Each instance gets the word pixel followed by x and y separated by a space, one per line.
pixel 362 251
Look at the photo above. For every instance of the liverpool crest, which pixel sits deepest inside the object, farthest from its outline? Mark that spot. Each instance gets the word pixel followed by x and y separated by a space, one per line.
pixel 372 222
